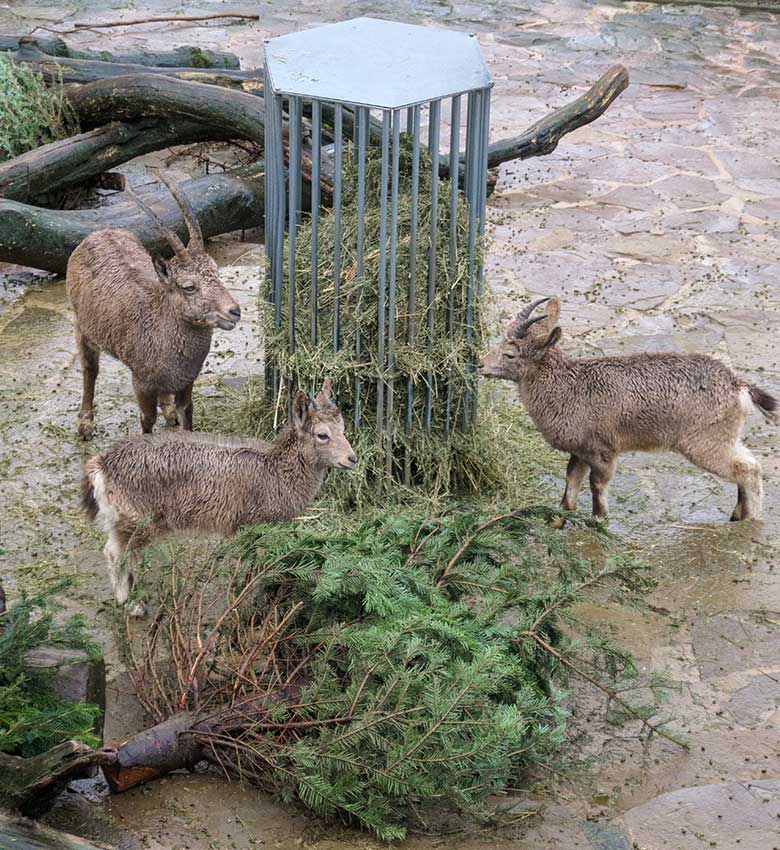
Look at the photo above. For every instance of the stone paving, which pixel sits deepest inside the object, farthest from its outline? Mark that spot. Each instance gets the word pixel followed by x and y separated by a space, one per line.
pixel 659 227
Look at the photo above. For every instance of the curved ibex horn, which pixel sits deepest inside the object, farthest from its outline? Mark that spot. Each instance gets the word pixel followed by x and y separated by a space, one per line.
pixel 193 226
pixel 522 322
pixel 171 237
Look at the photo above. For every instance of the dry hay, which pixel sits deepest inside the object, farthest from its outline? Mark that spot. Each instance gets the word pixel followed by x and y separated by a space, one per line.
pixel 433 348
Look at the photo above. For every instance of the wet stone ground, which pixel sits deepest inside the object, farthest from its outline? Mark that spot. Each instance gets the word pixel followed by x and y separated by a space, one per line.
pixel 659 228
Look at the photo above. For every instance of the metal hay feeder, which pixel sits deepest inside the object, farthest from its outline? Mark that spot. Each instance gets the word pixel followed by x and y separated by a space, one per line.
pixel 370 81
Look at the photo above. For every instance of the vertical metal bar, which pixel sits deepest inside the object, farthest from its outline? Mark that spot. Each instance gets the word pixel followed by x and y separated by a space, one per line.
pixel 362 116
pixel 380 398
pixel 467 170
pixel 410 119
pixel 454 179
pixel 392 290
pixel 411 295
pixel 337 165
pixel 293 183
pixel 316 156
pixel 276 182
pixel 484 141
pixel 268 225
pixel 433 147
pixel 473 162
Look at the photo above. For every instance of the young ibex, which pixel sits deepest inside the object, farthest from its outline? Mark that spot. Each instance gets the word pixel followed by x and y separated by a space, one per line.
pixel 145 486
pixel 154 315
pixel 595 408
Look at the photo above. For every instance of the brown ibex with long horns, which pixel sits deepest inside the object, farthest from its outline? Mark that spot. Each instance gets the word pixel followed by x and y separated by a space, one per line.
pixel 154 315
pixel 595 408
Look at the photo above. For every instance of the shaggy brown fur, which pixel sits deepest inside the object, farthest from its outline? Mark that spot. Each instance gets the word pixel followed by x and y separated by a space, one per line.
pixel 155 316
pixel 596 408
pixel 146 486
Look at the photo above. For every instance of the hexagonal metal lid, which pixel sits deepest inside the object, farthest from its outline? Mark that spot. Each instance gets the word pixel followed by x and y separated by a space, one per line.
pixel 381 64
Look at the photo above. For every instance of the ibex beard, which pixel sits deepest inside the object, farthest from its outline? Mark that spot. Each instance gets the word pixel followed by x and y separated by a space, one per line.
pixel 143 487
pixel 595 408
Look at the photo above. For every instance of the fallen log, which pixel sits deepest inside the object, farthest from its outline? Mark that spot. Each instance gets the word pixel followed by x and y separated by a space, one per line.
pixel 30 785
pixel 80 159
pixel 28 835
pixel 186 56
pixel 542 137
pixel 54 68
pixel 44 239
pixel 757 6
pixel 165 19
pixel 137 96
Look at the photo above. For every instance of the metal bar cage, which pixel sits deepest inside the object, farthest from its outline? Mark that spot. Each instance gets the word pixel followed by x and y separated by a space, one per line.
pixel 298 163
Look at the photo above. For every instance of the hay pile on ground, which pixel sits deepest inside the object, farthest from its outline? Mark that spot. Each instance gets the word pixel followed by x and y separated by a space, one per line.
pixel 433 348
pixel 502 460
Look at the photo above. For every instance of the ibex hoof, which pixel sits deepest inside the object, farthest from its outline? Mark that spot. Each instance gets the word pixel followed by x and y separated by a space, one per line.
pixel 138 610
pixel 86 428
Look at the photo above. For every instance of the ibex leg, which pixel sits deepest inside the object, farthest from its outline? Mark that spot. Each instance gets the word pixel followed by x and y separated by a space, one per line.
pixel 167 404
pixel 750 488
pixel 123 540
pixel 734 463
pixel 601 472
pixel 184 408
pixel 575 474
pixel 147 405
pixel 90 365
pixel 118 571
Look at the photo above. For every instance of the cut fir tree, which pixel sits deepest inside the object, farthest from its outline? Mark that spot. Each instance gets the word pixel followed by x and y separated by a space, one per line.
pixel 367 674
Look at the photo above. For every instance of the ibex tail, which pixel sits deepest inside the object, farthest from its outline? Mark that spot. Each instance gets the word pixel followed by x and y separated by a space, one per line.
pixel 767 404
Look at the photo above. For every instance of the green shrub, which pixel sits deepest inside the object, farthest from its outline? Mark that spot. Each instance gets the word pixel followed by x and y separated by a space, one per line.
pixel 31 114
pixel 32 720
pixel 373 673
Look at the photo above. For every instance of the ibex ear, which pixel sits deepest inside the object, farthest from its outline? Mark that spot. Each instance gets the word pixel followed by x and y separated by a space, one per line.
pixel 553 312
pixel 163 269
pixel 555 335
pixel 324 395
pixel 301 408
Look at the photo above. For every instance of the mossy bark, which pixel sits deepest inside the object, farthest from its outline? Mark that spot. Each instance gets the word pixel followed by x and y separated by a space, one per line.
pixel 88 70
pixel 185 56
pixel 44 239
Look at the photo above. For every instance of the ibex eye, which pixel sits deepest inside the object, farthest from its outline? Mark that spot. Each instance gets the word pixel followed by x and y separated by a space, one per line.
pixel 189 287
pixel 323 438
pixel 509 356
